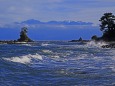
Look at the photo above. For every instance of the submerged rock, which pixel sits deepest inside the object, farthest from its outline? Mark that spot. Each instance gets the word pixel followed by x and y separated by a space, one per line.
pixel 112 45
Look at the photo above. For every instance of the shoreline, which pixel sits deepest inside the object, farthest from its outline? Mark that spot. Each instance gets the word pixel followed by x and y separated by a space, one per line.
pixel 80 41
pixel 14 42
pixel 108 44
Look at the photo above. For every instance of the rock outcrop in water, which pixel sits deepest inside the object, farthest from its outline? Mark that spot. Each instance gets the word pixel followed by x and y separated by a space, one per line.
pixel 22 40
pixel 110 45
pixel 107 26
pixel 79 40
pixel 23 36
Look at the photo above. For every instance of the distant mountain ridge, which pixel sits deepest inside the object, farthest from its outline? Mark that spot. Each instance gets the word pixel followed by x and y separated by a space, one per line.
pixel 51 30
pixel 33 21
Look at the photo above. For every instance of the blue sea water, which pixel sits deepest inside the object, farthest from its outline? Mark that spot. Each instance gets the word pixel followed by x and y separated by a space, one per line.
pixel 56 63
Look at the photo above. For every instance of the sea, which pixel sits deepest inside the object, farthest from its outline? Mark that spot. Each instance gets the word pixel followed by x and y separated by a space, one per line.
pixel 57 63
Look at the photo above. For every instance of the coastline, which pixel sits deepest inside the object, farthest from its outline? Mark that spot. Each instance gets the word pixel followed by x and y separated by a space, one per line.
pixel 13 42
pixel 80 41
pixel 107 45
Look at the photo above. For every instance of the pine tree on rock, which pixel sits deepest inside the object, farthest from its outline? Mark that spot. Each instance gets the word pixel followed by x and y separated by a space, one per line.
pixel 108 27
pixel 23 36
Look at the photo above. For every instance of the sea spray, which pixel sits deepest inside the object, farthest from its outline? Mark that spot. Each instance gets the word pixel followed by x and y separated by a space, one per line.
pixel 25 59
pixel 45 44
pixel 47 51
pixel 69 64
pixel 26 45
pixel 95 44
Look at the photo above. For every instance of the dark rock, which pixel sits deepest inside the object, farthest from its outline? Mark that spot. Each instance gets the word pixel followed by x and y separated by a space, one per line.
pixel 23 36
pixel 111 45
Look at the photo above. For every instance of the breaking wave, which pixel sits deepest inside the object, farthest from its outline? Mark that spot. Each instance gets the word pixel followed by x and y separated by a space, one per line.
pixel 47 51
pixel 87 63
pixel 26 44
pixel 45 44
pixel 24 59
pixel 95 44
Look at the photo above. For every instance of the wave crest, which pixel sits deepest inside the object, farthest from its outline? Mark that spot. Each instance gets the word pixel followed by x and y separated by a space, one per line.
pixel 24 59
pixel 95 44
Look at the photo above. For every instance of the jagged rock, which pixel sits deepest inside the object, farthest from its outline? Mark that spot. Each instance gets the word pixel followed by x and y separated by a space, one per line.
pixel 112 45
pixel 23 36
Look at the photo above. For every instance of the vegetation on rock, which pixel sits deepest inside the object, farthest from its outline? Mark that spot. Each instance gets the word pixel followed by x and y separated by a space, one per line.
pixel 23 36
pixel 107 26
pixel 94 37
pixel 80 39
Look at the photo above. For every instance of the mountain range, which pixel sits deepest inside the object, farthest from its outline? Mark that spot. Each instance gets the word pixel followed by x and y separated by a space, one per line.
pixel 33 21
pixel 51 30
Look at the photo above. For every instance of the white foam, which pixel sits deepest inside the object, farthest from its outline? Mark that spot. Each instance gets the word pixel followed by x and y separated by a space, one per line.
pixel 47 51
pixel 95 44
pixel 44 44
pixel 80 57
pixel 91 44
pixel 24 59
pixel 27 44
pixel 56 56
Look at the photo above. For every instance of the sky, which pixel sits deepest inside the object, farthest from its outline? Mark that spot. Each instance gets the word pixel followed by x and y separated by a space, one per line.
pixel 58 10
pixel 46 10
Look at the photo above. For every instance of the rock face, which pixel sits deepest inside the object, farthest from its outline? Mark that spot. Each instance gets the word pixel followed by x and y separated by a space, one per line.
pixel 23 36
pixel 80 39
pixel 110 45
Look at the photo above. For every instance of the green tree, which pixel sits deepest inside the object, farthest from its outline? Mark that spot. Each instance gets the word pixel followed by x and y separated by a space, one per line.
pixel 108 27
pixel 23 35
pixel 94 37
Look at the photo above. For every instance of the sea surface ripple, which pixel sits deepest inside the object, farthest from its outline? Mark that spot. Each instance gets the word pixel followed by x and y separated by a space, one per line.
pixel 57 63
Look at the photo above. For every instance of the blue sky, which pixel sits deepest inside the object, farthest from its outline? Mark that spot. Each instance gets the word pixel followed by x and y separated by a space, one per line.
pixel 59 10
pixel 45 10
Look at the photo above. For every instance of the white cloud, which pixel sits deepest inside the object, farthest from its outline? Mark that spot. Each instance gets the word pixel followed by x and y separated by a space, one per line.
pixel 54 1
pixel 45 10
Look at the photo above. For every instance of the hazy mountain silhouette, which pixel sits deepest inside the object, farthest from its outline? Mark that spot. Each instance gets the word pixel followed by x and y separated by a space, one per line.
pixel 51 30
pixel 33 21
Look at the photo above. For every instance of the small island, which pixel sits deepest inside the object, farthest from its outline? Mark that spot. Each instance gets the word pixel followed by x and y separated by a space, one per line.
pixel 23 38
pixel 107 26
pixel 80 40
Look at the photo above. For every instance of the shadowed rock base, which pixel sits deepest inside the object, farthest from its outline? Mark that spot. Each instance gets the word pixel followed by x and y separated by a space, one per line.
pixel 23 36
pixel 109 46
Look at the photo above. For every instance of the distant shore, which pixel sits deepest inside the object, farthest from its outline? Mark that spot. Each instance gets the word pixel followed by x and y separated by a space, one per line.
pixel 13 42
pixel 107 45
pixel 80 41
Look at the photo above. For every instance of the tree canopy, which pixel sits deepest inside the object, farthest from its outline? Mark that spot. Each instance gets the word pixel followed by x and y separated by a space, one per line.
pixel 108 27
pixel 23 35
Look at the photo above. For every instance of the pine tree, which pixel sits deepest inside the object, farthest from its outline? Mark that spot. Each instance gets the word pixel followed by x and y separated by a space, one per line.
pixel 23 36
pixel 108 27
